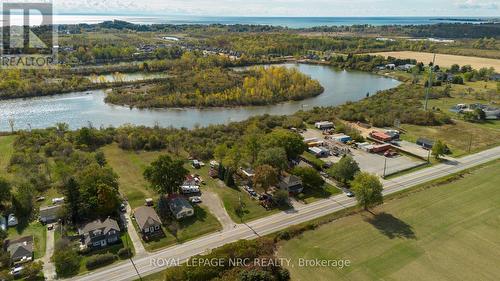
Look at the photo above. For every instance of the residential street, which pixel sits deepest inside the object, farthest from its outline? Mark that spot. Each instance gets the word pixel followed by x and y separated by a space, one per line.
pixel 254 229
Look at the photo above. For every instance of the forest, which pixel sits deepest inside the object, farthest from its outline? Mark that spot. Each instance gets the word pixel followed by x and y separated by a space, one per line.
pixel 221 87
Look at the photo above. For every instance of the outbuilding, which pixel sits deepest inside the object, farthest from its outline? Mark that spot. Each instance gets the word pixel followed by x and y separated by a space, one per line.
pixel 425 143
pixel 319 151
pixel 50 214
pixel 324 125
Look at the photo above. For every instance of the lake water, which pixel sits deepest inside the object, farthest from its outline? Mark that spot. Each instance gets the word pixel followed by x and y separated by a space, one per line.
pixel 78 109
pixel 291 22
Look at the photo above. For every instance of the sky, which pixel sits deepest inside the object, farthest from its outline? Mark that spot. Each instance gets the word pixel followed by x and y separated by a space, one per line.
pixel 464 8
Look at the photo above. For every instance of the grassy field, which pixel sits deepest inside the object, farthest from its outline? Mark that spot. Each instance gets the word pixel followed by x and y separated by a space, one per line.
pixel 457 136
pixel 444 60
pixel 36 229
pixel 448 232
pixel 6 151
pixel 129 166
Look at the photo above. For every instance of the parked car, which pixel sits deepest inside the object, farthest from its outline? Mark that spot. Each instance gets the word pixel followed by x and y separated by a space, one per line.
pixel 16 270
pixel 195 199
pixel 50 226
pixel 12 220
pixel 123 208
pixel 349 193
pixel 40 198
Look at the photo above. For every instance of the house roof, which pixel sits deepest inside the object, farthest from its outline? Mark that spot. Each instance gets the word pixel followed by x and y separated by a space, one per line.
pixel 105 226
pixel 291 180
pixel 179 204
pixel 20 248
pixel 146 216
pixel 50 210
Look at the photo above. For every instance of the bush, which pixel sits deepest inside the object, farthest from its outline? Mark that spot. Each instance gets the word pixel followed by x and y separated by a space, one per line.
pixel 66 259
pixel 124 253
pixel 97 261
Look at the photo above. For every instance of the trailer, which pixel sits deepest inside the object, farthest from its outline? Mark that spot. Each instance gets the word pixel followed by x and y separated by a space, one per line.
pixel 324 125
pixel 380 148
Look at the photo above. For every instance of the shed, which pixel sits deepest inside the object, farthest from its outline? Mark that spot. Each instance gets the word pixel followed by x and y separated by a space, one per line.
pixel 319 151
pixel 50 213
pixel 342 138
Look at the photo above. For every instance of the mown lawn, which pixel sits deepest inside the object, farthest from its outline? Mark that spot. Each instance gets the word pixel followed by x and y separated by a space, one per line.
pixel 129 166
pixel 448 232
pixel 36 229
pixel 457 136
pixel 203 222
pixel 6 150
pixel 310 195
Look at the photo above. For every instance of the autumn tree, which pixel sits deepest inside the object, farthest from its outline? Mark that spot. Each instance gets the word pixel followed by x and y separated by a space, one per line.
pixel 265 177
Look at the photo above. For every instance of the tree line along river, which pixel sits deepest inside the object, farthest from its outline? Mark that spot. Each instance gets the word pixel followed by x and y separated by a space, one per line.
pixel 78 109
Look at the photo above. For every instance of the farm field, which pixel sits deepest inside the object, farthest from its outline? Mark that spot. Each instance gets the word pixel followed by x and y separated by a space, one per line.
pixel 447 232
pixel 457 136
pixel 444 60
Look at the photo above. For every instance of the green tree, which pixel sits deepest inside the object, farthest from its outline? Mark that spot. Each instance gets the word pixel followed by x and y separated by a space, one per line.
pixel 100 158
pixel 439 149
pixel 5 192
pixel 265 177
pixel 166 175
pixel 99 194
pixel 310 177
pixel 367 189
pixel 345 169
pixel 281 197
pixel 273 156
pixel 252 141
pixel 293 143
pixel 66 259
pixel 32 270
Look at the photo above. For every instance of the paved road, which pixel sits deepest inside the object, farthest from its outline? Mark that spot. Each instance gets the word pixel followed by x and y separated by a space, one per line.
pixel 149 264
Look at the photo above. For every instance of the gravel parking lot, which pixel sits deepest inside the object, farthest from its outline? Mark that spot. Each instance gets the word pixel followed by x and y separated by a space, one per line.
pixel 374 163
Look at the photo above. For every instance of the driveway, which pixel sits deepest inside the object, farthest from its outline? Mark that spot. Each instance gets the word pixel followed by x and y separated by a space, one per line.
pixel 49 270
pixel 134 237
pixel 214 204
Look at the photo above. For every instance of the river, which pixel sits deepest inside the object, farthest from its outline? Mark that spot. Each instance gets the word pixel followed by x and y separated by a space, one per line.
pixel 81 108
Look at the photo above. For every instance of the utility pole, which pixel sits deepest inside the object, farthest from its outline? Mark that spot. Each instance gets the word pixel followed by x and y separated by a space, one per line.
pixel 429 84
pixel 385 166
pixel 470 143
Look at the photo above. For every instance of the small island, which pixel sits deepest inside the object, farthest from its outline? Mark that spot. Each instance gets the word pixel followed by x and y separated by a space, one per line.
pixel 220 87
